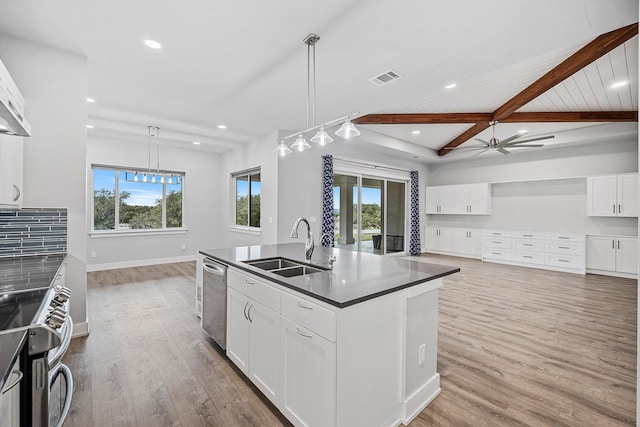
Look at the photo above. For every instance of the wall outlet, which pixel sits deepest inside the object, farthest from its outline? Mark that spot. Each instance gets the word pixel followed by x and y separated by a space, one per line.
pixel 93 254
pixel 183 247
pixel 422 351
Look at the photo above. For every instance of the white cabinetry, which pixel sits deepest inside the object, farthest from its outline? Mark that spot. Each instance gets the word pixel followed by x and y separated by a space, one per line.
pixel 551 251
pixel 11 153
pixel 612 255
pixel 465 242
pixel 464 199
pixel 326 366
pixel 253 331
pixel 613 195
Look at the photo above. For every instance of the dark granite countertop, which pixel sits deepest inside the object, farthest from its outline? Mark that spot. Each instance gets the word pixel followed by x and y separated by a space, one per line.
pixel 356 276
pixel 10 346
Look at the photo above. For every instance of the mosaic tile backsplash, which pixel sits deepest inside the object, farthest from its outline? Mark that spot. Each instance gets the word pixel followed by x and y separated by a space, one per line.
pixel 33 231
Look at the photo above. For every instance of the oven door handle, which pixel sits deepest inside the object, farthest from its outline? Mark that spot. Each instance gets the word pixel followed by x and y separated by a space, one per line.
pixel 8 386
pixel 68 379
pixel 64 344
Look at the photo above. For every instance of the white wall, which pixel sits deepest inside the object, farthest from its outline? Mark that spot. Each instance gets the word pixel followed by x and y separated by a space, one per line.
pixel 202 210
pixel 541 204
pixel 300 182
pixel 54 84
pixel 255 154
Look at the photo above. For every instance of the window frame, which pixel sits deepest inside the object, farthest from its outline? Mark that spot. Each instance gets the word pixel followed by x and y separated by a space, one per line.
pixel 248 173
pixel 127 231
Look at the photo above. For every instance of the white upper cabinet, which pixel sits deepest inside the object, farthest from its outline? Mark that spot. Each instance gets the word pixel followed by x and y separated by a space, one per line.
pixel 613 195
pixel 11 153
pixel 464 199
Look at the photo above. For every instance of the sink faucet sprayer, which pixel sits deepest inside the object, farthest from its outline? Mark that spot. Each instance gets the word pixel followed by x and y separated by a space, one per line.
pixel 308 245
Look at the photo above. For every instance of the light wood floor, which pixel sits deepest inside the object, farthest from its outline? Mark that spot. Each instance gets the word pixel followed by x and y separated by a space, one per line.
pixel 517 346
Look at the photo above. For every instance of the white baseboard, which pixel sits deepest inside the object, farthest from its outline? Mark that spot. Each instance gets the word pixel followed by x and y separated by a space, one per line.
pixel 538 266
pixel 80 329
pixel 419 400
pixel 472 256
pixel 138 263
pixel 612 273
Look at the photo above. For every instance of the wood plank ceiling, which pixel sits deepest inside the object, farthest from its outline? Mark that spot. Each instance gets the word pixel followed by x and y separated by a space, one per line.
pixel 573 91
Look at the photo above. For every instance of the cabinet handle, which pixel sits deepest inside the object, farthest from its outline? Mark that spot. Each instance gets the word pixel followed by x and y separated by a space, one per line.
pixel 614 208
pixel 249 313
pixel 564 260
pixel 497 242
pixel 563 237
pixel 618 244
pixel 619 208
pixel 302 333
pixel 303 306
pixel 528 235
pixel 613 244
pixel 248 282
pixel 527 244
pixel 245 310
pixel 17 196
pixel 496 253
pixel 564 247
pixel 526 256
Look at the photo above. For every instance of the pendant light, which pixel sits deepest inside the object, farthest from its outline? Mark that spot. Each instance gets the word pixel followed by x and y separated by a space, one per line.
pixel 346 131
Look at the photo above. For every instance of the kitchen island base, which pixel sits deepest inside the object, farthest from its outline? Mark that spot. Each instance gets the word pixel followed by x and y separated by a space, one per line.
pixel 372 363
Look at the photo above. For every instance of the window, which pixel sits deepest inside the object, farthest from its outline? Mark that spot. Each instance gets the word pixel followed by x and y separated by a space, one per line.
pixel 146 201
pixel 247 188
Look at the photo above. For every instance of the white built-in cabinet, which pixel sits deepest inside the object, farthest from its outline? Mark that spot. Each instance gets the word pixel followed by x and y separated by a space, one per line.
pixel 315 361
pixel 11 154
pixel 613 195
pixel 612 255
pixel 465 242
pixel 253 331
pixel 463 199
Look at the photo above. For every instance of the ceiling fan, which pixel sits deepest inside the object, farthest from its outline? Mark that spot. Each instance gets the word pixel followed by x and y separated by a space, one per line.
pixel 501 146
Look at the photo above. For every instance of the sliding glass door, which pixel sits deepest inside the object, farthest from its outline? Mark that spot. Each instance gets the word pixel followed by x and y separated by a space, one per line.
pixel 369 213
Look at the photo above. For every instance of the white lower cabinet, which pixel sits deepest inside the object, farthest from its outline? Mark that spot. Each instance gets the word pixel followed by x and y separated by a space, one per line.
pixel 371 363
pixel 612 254
pixel 309 380
pixel 465 242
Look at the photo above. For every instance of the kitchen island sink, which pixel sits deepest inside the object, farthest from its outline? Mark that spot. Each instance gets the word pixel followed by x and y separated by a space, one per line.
pixel 285 267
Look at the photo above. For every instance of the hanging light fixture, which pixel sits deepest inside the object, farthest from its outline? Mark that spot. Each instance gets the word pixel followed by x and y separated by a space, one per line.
pixel 346 131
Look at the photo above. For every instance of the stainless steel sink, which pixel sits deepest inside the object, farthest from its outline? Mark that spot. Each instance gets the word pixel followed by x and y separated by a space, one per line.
pixel 285 267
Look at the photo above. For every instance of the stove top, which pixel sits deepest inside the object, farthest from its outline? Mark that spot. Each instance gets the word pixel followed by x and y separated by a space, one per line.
pixel 18 309
pixel 28 273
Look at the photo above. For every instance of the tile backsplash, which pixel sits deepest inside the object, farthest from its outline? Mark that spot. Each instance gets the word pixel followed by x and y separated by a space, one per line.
pixel 33 231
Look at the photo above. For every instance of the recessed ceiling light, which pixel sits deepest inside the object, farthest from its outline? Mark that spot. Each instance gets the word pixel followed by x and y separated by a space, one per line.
pixel 153 44
pixel 90 126
pixel 450 86
pixel 196 143
pixel 522 131
pixel 222 127
pixel 91 100
pixel 415 132
pixel 618 84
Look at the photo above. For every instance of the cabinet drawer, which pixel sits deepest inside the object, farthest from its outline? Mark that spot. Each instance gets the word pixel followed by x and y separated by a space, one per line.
pixel 531 257
pixel 254 289
pixel 497 242
pixel 488 233
pixel 559 247
pixel 568 261
pixel 528 245
pixel 318 319
pixel 496 253
pixel 577 238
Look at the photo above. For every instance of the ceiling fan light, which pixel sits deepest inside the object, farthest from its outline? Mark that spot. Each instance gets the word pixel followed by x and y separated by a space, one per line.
pixel 347 131
pixel 322 137
pixel 282 149
pixel 300 144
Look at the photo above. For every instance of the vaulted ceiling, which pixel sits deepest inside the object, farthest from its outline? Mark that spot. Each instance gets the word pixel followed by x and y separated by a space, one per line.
pixel 243 64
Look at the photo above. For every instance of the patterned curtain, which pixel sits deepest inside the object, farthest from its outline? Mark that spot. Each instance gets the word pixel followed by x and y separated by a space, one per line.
pixel 414 233
pixel 327 201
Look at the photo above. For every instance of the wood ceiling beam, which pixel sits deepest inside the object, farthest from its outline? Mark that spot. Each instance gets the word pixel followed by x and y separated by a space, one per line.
pixel 600 46
pixel 417 119
pixel 572 116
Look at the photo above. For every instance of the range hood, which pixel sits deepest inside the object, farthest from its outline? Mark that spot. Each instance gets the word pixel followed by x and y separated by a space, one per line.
pixel 12 120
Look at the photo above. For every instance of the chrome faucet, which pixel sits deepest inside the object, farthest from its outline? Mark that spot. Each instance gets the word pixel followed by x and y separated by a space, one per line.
pixel 308 245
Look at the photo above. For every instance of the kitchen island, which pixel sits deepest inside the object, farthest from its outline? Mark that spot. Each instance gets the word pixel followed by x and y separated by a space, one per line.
pixel 352 342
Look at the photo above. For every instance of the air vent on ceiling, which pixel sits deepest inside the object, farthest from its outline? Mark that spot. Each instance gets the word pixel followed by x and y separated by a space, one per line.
pixel 385 78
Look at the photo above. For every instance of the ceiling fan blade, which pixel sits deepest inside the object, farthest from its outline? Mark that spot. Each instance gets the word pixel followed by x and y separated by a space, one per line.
pixel 525 146
pixel 503 151
pixel 511 138
pixel 540 138
pixel 480 152
pixel 482 140
pixel 472 147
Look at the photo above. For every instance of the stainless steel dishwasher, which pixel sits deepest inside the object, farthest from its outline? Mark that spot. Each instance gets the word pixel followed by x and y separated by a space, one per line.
pixel 214 301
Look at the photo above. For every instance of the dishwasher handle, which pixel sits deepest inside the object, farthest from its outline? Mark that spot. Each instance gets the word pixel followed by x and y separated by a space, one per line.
pixel 216 269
